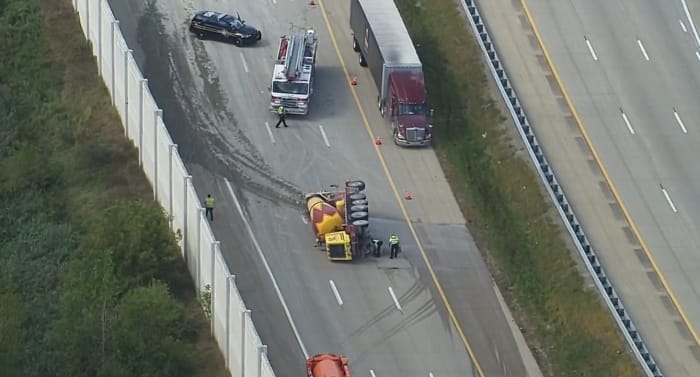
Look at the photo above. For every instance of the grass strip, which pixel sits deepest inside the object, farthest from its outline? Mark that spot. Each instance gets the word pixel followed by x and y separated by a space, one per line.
pixel 91 282
pixel 566 324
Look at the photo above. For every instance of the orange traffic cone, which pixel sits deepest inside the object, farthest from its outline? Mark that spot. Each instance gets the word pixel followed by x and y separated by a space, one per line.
pixel 353 81
pixel 378 141
pixel 408 196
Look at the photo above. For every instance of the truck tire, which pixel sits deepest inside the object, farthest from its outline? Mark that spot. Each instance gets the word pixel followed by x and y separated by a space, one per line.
pixel 359 216
pixel 380 106
pixel 359 208
pixel 360 223
pixel 363 62
pixel 355 45
pixel 359 202
pixel 357 185
pixel 358 196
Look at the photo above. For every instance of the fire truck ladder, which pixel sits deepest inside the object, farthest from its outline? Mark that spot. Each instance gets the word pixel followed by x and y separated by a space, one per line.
pixel 294 61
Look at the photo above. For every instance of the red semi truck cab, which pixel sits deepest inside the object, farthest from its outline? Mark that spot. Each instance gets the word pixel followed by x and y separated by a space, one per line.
pixel 406 104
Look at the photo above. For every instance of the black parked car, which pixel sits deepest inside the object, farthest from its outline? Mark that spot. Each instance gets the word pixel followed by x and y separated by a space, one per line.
pixel 223 26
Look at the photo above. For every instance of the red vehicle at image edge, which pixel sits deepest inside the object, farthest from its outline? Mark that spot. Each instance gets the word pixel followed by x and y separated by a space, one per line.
pixel 327 365
pixel 383 43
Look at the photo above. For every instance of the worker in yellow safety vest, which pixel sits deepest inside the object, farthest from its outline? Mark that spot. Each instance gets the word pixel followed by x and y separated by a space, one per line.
pixel 209 206
pixel 394 244
pixel 281 112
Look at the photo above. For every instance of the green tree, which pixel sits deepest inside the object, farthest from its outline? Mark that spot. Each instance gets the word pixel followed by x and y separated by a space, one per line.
pixel 80 340
pixel 141 244
pixel 148 334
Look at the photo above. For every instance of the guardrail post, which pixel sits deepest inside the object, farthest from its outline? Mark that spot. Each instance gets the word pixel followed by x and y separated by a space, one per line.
pixel 214 244
pixel 229 282
pixel 246 312
pixel 144 83
pixel 262 352
pixel 115 24
pixel 158 115
pixel 172 148
pixel 200 216
pixel 127 53
pixel 99 37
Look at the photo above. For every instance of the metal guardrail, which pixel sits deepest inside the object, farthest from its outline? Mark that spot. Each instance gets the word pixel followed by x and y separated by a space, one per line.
pixel 586 251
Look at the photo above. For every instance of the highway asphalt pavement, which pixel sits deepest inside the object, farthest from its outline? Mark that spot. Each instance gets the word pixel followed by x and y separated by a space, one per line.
pixel 215 102
pixel 631 70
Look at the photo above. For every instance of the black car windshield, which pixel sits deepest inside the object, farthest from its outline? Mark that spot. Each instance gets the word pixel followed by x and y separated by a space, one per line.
pixel 235 22
pixel 290 87
pixel 407 109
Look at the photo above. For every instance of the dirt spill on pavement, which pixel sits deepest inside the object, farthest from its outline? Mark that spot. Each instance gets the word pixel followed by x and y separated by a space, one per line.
pixel 186 87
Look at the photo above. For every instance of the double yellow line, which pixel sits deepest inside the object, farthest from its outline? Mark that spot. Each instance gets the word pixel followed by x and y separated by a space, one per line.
pixel 428 264
pixel 606 176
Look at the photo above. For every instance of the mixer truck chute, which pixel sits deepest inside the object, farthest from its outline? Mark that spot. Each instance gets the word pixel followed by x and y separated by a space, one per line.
pixel 327 365
pixel 340 221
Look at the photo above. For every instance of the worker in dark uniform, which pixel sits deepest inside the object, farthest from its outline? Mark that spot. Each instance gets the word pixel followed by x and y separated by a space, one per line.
pixel 281 112
pixel 209 205
pixel 394 244
pixel 377 247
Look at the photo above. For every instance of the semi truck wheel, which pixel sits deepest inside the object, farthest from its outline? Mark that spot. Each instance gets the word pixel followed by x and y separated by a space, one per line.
pixel 357 185
pixel 363 62
pixel 355 45
pixel 359 216
pixel 358 196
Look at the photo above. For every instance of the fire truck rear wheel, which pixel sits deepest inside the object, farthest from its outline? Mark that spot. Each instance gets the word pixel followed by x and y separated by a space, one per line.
pixel 355 45
pixel 358 196
pixel 359 216
pixel 357 185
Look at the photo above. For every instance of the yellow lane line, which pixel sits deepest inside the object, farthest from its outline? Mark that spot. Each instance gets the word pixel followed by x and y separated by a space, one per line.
pixel 440 290
pixel 606 176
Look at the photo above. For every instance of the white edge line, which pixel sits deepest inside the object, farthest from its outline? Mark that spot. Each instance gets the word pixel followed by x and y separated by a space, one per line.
pixel 668 199
pixel 685 30
pixel 245 65
pixel 627 122
pixel 680 121
pixel 325 138
pixel 641 47
pixel 371 373
pixel 697 55
pixel 396 301
pixel 269 132
pixel 267 267
pixel 590 49
pixel 336 293
pixel 692 24
pixel 430 374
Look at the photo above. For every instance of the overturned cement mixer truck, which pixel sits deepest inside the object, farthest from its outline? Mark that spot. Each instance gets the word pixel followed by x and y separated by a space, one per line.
pixel 340 220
